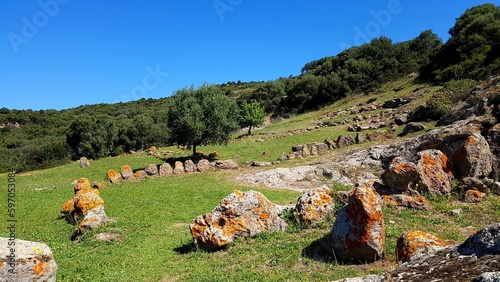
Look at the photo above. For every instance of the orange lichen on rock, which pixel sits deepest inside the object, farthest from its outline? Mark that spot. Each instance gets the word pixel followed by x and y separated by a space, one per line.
pixel 417 243
pixel 140 174
pixel 314 205
pixel 82 184
pixel 473 196
pixel 113 176
pixel 240 214
pixel 126 172
pixel 434 174
pixel 359 232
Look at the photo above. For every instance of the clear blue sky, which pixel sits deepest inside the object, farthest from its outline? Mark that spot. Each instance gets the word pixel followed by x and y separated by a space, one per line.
pixel 58 54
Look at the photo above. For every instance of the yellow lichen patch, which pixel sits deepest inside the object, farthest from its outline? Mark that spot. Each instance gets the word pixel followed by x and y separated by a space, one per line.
pixel 87 201
pixel 82 184
pixel 113 176
pixel 413 241
pixel 68 206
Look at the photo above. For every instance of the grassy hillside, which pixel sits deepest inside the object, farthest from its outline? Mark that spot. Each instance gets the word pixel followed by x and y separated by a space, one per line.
pixel 153 215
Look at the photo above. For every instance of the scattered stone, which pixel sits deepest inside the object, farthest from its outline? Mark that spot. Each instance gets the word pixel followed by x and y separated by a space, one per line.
pixel 126 172
pixel 108 237
pixel 151 169
pixel 330 143
pixel 283 157
pixel 484 242
pixel 344 141
pixel 402 201
pixel 401 119
pixel 84 162
pixel 394 103
pixel 225 165
pixel 434 173
pixel 179 168
pixel 471 183
pixel 165 169
pixel 456 212
pixel 470 154
pixel 213 155
pixel 114 176
pixel 32 261
pixel 473 196
pixel 314 150
pixel 203 165
pixel 412 127
pixel 360 138
pixel 315 204
pixel 261 164
pixel 140 174
pixel 358 233
pixel 376 136
pixel 488 277
pixel 239 215
pixel 415 244
pixel 401 174
pixel 189 166
pixel 98 185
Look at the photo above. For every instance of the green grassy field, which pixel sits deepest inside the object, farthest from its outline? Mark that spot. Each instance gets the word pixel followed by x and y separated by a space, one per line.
pixel 153 217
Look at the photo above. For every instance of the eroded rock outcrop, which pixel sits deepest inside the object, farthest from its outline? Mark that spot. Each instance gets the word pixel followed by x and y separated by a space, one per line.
pixel 32 261
pixel 239 215
pixel 358 233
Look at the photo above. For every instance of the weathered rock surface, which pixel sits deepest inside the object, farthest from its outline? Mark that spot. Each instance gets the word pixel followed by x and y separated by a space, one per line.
pixel 488 277
pixel 126 172
pixel 86 209
pixel 344 141
pixel 315 204
pixel 470 154
pixel 151 169
pixel 478 255
pixel 358 233
pixel 189 166
pixel 435 175
pixel 494 143
pixel 401 175
pixel 403 201
pixel 32 261
pixel 261 164
pixel 140 174
pixel 227 164
pixel 415 244
pixel 471 183
pixel 412 127
pixel 179 167
pixel 84 162
pixel 203 165
pixel 238 215
pixel 114 176
pixel 165 169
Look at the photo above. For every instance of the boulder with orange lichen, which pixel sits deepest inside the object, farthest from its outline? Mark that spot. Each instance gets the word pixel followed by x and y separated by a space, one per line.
pixel 473 196
pixel 401 174
pixel 238 215
pixel 86 209
pixel 315 204
pixel 114 176
pixel 358 233
pixel 470 154
pixel 415 244
pixel 165 169
pixel 435 174
pixel 32 261
pixel 126 172
pixel 140 174
pixel 179 167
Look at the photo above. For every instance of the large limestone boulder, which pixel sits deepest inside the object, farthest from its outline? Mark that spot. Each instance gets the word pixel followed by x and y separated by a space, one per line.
pixel 239 215
pixel 86 209
pixel 114 176
pixel 31 261
pixel 189 166
pixel 435 174
pixel 179 167
pixel 315 204
pixel 470 154
pixel 140 174
pixel 358 233
pixel 484 242
pixel 126 172
pixel 203 165
pixel 151 169
pixel 84 162
pixel 227 164
pixel 401 174
pixel 415 244
pixel 165 169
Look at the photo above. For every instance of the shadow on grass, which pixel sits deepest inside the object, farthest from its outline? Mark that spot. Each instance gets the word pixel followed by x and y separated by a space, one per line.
pixel 319 250
pixel 186 248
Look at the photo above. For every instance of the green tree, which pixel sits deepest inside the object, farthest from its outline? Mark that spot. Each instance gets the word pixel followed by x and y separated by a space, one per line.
pixel 252 114
pixel 201 116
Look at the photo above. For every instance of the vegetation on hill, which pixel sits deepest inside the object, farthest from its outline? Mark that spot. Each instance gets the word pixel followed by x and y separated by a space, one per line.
pixel 37 139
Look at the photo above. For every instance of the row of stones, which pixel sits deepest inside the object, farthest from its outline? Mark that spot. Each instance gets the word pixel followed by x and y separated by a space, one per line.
pixel 166 169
